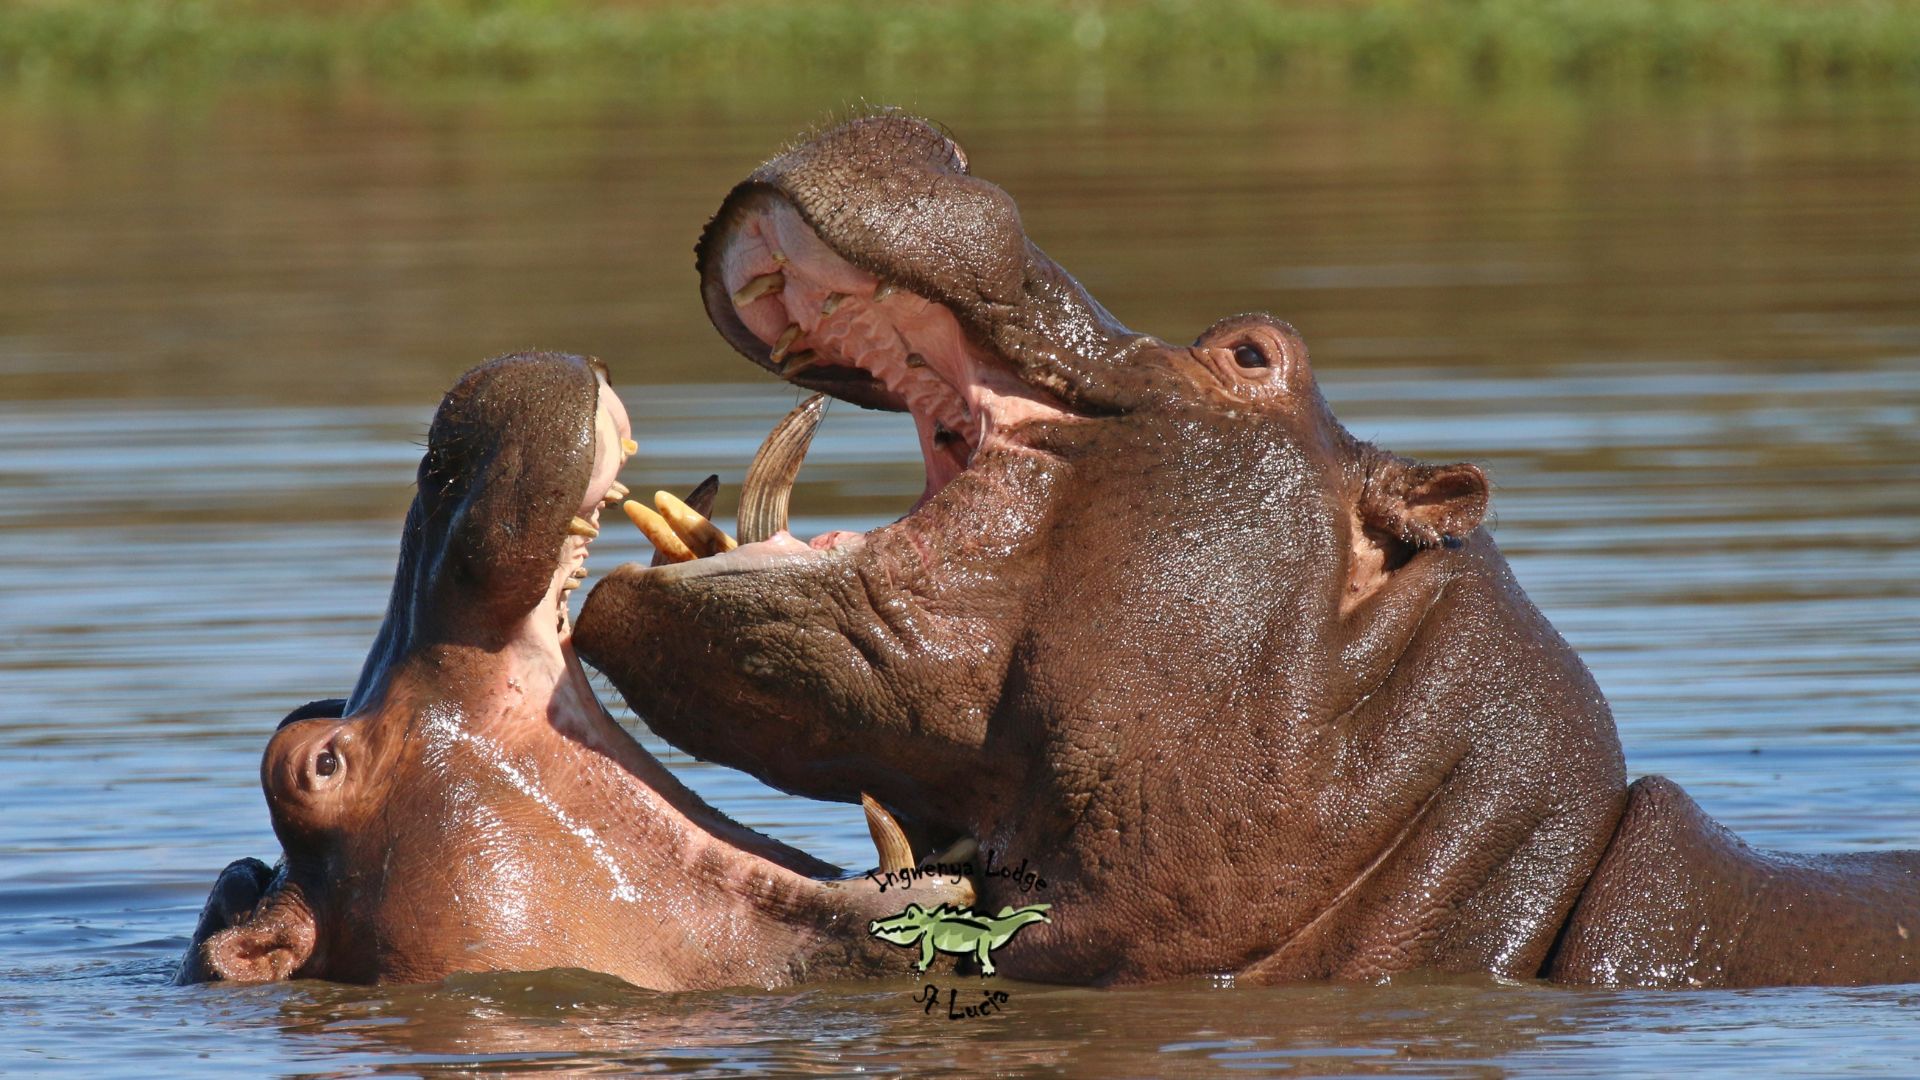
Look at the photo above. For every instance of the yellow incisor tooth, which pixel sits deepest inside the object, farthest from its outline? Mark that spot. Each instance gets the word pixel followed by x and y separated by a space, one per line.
pixel 882 291
pixel 659 532
pixel 702 537
pixel 629 447
pixel 764 285
pixel 616 494
pixel 831 303
pixel 888 838
pixel 580 526
pixel 799 362
pixel 787 337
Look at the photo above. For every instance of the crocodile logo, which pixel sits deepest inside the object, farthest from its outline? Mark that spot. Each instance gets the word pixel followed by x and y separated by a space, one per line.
pixel 956 931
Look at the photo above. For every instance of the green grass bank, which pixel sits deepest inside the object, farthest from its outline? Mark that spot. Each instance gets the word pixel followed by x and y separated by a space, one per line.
pixel 1355 43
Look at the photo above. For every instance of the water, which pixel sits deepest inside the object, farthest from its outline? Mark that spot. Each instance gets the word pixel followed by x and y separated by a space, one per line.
pixel 1683 335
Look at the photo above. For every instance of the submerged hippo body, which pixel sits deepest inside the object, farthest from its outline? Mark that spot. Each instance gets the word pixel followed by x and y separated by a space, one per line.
pixel 1258 697
pixel 472 806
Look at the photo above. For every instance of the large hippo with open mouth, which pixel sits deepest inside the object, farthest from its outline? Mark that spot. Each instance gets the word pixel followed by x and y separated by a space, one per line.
pixel 472 806
pixel 1256 696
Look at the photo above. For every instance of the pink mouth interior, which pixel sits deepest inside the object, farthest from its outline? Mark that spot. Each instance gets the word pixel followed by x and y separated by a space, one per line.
pixel 959 397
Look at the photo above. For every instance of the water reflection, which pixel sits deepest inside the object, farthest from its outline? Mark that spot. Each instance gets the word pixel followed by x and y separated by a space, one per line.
pixel 1684 336
pixel 1430 1026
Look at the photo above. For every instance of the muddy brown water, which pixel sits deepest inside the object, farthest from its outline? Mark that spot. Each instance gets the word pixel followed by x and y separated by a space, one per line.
pixel 1682 334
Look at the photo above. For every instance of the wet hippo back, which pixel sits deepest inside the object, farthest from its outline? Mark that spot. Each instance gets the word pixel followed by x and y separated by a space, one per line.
pixel 1679 901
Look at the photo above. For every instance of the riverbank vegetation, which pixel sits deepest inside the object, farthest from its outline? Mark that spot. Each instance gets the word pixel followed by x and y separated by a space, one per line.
pixel 1396 44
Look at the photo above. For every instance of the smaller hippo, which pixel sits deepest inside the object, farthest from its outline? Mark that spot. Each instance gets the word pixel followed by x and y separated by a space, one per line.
pixel 949 929
pixel 471 806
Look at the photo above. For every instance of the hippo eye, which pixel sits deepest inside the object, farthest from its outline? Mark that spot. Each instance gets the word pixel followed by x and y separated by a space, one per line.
pixel 1249 356
pixel 326 764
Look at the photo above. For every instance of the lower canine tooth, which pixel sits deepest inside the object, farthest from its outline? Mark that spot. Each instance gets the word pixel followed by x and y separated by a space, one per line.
pixel 764 285
pixel 658 532
pixel 701 497
pixel 888 838
pixel 787 338
pixel 769 483
pixel 580 526
pixel 629 447
pixel 798 363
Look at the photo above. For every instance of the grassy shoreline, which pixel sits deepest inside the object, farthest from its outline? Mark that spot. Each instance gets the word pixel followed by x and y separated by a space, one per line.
pixel 1393 44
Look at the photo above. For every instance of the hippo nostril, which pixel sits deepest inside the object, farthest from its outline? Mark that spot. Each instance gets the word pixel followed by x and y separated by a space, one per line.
pixel 326 764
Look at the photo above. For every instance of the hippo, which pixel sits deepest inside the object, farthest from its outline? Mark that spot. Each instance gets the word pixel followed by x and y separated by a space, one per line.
pixel 1258 698
pixel 471 805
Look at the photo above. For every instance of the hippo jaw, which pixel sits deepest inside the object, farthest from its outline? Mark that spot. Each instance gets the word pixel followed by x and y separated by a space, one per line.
pixel 473 806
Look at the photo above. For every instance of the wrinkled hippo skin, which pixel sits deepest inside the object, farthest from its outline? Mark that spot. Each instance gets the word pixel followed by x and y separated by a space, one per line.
pixel 1257 696
pixel 471 806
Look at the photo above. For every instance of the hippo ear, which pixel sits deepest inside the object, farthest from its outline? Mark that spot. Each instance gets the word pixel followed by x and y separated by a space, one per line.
pixel 235 894
pixel 270 944
pixel 1423 504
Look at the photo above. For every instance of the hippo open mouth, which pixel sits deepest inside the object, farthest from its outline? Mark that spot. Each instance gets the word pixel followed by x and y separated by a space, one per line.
pixel 819 320
pixel 921 296
pixel 471 805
